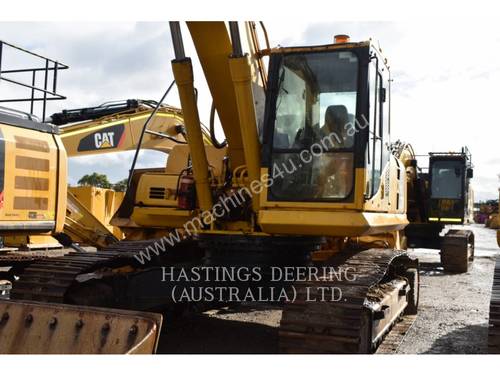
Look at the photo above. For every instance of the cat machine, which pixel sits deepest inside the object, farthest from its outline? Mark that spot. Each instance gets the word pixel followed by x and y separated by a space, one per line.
pixel 348 198
pixel 306 173
pixel 440 197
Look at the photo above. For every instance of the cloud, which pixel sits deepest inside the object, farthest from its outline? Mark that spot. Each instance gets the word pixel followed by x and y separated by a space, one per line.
pixel 108 61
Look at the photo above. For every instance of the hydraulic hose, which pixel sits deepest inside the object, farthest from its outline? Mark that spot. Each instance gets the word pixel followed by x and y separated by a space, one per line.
pixel 215 142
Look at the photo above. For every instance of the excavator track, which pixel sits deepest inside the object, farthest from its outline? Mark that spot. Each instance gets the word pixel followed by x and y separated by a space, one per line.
pixel 373 299
pixel 393 340
pixel 494 322
pixel 18 257
pixel 42 316
pixel 49 279
pixel 457 250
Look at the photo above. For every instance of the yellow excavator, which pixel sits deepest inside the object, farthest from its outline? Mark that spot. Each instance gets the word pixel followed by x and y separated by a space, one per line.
pixel 305 178
pixel 319 176
pixel 438 196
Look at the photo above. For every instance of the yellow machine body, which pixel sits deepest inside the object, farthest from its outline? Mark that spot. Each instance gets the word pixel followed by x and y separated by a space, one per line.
pixel 232 86
pixel 155 192
pixel 151 201
pixel 384 212
pixel 83 227
pixel 35 175
pixel 102 203
pixel 359 218
pixel 33 179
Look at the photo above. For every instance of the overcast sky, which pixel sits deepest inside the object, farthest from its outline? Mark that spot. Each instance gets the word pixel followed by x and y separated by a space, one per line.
pixel 445 89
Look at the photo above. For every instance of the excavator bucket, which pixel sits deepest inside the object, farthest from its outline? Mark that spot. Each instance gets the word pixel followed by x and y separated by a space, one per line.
pixel 28 327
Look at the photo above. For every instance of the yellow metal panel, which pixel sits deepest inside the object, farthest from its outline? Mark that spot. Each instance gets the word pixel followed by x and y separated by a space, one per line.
pixel 92 198
pixel 178 159
pixel 160 217
pixel 168 184
pixel 100 203
pixel 42 241
pixel 84 227
pixel 391 192
pixel 34 179
pixel 329 223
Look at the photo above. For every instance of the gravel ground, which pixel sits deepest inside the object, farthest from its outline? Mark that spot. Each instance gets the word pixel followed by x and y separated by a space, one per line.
pixel 453 311
pixel 452 318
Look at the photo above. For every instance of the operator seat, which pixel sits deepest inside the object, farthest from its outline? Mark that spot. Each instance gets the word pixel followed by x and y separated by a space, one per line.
pixel 336 119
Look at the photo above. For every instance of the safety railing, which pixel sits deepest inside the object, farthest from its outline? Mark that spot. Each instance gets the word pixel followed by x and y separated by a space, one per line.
pixel 47 72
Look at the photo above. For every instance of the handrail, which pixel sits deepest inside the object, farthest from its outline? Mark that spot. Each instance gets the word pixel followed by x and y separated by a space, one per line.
pixel 48 89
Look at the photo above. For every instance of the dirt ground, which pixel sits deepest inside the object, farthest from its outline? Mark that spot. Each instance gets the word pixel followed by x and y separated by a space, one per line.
pixel 452 318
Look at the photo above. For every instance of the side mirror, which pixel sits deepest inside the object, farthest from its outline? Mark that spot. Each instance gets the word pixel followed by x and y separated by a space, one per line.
pixel 470 172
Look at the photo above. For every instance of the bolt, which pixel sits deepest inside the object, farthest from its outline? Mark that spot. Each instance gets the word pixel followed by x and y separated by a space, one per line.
pixel 53 323
pixel 29 319
pixel 133 330
pixel 79 324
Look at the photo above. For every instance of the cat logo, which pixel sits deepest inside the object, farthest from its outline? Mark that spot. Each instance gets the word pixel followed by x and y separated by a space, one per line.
pixel 110 137
pixel 104 140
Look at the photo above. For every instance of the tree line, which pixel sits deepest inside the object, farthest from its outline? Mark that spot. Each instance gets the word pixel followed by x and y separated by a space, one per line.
pixel 101 181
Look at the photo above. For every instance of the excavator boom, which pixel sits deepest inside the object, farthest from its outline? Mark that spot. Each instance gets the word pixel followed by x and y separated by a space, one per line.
pixel 100 130
pixel 213 47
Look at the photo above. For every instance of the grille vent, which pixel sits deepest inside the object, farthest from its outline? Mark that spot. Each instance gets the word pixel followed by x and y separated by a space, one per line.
pixel 156 193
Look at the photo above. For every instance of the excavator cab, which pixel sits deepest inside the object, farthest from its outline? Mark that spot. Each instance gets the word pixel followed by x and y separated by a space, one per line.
pixel 449 176
pixel 443 196
pixel 326 138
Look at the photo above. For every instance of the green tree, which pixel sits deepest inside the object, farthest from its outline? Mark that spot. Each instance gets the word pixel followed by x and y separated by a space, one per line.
pixel 120 185
pixel 95 179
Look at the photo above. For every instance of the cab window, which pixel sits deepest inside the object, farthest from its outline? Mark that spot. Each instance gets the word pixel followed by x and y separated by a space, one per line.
pixel 313 137
pixel 377 150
